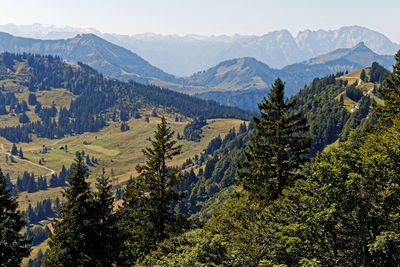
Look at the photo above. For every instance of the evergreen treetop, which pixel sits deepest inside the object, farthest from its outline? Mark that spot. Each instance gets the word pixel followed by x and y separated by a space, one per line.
pixel 13 246
pixel 276 150
pixel 14 150
pixel 390 94
pixel 108 240
pixel 71 243
pixel 146 211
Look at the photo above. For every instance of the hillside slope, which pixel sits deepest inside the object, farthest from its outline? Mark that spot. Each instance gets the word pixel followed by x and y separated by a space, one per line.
pixel 108 58
pixel 238 74
pixel 333 106
pixel 235 74
pixel 184 55
pixel 51 110
pixel 255 76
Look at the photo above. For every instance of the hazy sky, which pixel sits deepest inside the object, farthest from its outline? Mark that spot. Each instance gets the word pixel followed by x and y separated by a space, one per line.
pixel 206 17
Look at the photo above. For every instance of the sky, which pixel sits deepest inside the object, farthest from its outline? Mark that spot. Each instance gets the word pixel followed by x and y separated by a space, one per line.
pixel 206 17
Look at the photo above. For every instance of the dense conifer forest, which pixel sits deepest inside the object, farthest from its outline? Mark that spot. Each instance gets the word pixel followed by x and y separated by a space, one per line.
pixel 310 181
pixel 97 98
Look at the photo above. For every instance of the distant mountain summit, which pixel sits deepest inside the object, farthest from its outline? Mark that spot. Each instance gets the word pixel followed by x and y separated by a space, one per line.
pixel 46 32
pixel 342 59
pixel 313 43
pixel 184 55
pixel 235 74
pixel 360 54
pixel 249 73
pixel 254 78
pixel 238 82
pixel 108 58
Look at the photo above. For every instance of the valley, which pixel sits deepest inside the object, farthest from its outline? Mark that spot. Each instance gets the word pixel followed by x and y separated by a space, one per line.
pixel 119 151
pixel 238 81
pixel 277 149
pixel 116 150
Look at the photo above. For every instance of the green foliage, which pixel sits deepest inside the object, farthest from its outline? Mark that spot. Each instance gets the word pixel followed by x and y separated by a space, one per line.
pixel 124 127
pixel 353 93
pixel 359 119
pixel 277 149
pixel 37 234
pixel 328 119
pixel 13 246
pixel 241 224
pixel 86 231
pixel 344 213
pixel 70 243
pixel 378 74
pixel 211 187
pixel 390 94
pixel 195 248
pixel 193 131
pixel 348 200
pixel 24 118
pixel 43 210
pixel 14 150
pixel 96 99
pixel 326 116
pixel 147 217
pixel 107 243
pixel 363 76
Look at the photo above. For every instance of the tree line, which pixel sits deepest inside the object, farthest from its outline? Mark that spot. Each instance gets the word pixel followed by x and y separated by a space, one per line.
pixel 97 101
pixel 340 208
pixel 337 209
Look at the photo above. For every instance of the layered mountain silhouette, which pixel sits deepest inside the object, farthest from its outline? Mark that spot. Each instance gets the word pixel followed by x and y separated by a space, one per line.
pixel 249 73
pixel 108 58
pixel 184 55
pixel 240 78
pixel 251 77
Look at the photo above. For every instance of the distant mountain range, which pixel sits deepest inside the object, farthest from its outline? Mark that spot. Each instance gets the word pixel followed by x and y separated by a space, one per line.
pixel 251 77
pixel 108 58
pixel 184 55
pixel 237 82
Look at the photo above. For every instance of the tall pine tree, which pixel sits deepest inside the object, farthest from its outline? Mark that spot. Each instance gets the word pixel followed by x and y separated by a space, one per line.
pixel 147 215
pixel 390 94
pixel 71 243
pixel 107 239
pixel 280 144
pixel 14 150
pixel 13 246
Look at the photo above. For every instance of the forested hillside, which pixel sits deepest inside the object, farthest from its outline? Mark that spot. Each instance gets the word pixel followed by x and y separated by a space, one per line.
pixel 238 201
pixel 108 58
pixel 242 82
pixel 94 99
pixel 235 82
pixel 338 209
pixel 334 108
pixel 45 101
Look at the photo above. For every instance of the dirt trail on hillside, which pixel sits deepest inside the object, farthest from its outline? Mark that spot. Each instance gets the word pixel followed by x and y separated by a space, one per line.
pixel 51 171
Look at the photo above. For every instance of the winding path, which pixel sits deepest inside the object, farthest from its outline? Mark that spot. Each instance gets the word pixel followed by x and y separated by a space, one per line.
pixel 51 171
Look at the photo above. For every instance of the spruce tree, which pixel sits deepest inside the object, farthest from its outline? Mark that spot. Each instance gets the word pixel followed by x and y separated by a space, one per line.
pixel 13 246
pixel 147 215
pixel 390 94
pixel 14 150
pixel 277 148
pixel 363 76
pixel 71 243
pixel 107 239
